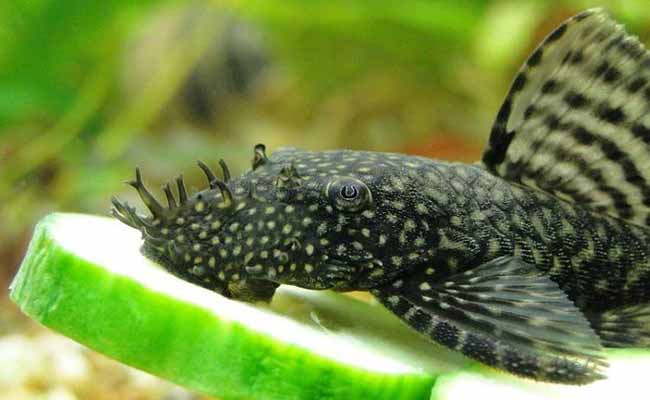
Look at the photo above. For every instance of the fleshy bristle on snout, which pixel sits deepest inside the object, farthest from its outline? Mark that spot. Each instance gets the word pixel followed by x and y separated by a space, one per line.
pixel 216 183
pixel 173 231
pixel 147 198
pixel 128 215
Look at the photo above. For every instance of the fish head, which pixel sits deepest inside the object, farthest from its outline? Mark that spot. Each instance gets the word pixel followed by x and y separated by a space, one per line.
pixel 318 220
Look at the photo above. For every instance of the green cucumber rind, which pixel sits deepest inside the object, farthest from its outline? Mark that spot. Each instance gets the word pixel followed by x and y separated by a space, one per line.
pixel 183 342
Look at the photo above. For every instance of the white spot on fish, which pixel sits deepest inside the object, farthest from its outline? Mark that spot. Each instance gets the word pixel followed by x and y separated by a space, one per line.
pixel 368 214
pixel 402 237
pixel 248 257
pixel 409 225
pixel 410 313
pixel 382 239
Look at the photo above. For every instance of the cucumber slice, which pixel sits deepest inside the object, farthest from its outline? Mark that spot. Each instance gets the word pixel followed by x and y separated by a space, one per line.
pixel 628 369
pixel 84 276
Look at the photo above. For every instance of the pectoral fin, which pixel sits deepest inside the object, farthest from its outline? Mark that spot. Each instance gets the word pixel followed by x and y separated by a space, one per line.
pixel 506 314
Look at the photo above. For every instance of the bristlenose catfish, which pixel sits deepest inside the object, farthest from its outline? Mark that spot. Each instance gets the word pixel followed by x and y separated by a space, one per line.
pixel 530 261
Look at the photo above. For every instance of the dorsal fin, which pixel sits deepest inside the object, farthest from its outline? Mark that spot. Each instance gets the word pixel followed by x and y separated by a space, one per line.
pixel 576 122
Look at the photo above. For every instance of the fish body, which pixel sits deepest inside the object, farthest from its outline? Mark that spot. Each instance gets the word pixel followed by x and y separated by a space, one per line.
pixel 530 261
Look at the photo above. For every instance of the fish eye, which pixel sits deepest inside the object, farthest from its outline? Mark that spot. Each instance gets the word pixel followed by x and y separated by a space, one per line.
pixel 348 194
pixel 349 191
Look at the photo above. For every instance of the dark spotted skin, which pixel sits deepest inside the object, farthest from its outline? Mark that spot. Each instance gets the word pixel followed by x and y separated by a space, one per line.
pixel 423 222
pixel 599 261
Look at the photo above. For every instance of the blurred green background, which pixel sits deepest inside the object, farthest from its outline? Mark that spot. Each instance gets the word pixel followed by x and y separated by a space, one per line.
pixel 90 89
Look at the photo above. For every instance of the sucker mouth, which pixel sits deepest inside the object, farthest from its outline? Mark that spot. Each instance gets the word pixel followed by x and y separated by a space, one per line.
pixel 149 226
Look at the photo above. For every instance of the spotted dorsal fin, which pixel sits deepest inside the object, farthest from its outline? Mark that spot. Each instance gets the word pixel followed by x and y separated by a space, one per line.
pixel 576 122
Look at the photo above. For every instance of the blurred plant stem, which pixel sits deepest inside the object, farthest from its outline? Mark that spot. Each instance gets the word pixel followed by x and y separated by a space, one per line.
pixel 162 86
pixel 49 144
pixel 134 117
